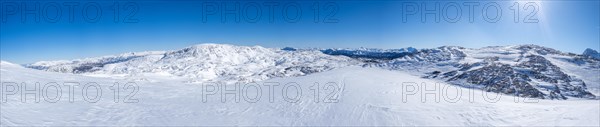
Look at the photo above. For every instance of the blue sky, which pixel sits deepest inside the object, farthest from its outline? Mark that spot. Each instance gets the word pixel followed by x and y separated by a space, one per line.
pixel 569 26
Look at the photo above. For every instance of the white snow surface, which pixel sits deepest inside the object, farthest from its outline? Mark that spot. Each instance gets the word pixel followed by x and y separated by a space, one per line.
pixel 366 96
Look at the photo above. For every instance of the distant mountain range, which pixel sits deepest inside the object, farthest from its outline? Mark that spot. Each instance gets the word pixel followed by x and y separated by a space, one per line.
pixel 520 70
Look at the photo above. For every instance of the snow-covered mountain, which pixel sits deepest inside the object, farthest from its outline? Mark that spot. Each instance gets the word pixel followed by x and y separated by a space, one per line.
pixel 591 53
pixel 521 70
pixel 205 62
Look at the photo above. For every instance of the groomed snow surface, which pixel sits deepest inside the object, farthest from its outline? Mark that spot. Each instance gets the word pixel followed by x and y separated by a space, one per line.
pixel 348 96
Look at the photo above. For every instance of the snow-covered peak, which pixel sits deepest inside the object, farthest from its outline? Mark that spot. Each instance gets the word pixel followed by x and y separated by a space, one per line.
pixel 218 51
pixel 205 62
pixel 538 49
pixel 211 46
pixel 220 47
pixel 591 53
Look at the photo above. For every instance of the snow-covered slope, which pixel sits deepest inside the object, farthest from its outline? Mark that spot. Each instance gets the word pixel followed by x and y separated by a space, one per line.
pixel 362 96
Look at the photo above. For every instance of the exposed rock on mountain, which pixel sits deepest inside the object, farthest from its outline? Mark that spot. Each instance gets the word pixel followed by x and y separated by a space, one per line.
pixel 591 53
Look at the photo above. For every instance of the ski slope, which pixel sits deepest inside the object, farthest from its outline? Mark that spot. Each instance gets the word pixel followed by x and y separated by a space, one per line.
pixel 363 97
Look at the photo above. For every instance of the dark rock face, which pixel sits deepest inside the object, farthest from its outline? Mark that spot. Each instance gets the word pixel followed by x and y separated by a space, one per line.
pixel 500 78
pixel 518 79
pixel 543 70
pixel 530 75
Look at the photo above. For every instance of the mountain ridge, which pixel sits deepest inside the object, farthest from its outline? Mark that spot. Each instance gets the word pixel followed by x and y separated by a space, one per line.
pixel 534 71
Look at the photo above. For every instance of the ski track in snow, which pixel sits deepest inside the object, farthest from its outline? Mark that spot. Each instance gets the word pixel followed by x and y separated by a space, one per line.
pixel 368 96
